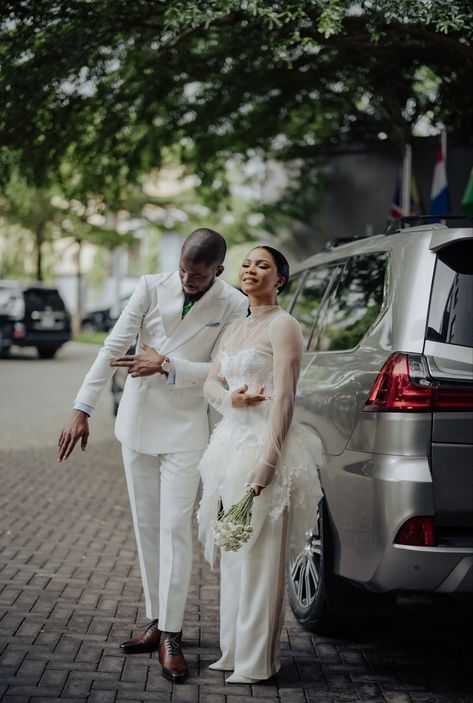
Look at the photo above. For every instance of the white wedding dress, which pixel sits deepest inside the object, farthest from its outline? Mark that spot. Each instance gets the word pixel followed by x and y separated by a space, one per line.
pixel 257 445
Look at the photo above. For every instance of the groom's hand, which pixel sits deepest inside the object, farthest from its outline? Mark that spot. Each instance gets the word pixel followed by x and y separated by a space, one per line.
pixel 138 365
pixel 241 399
pixel 77 428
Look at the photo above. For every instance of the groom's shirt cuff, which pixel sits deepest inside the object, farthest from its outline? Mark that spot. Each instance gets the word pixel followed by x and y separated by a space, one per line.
pixel 171 377
pixel 88 409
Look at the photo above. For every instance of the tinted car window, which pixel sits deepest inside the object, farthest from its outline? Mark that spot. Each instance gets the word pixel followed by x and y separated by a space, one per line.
pixel 39 299
pixel 309 300
pixel 451 305
pixel 354 304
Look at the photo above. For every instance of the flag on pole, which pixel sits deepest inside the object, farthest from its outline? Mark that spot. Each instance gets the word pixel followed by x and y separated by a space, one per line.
pixel 439 196
pixel 467 200
pixel 396 210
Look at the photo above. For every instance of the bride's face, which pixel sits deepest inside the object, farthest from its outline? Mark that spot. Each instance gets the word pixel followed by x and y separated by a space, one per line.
pixel 258 273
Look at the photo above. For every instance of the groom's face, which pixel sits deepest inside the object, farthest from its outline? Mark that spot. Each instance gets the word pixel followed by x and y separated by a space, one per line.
pixel 197 276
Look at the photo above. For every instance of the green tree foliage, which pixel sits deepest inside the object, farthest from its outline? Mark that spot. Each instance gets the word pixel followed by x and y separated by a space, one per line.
pixel 109 85
pixel 45 215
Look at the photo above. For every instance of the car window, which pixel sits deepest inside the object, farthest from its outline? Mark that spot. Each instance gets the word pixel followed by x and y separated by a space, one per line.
pixel 451 304
pixel 353 305
pixel 7 294
pixel 39 299
pixel 308 302
pixel 287 297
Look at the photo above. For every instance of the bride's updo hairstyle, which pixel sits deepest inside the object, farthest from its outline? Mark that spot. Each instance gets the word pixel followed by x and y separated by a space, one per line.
pixel 281 262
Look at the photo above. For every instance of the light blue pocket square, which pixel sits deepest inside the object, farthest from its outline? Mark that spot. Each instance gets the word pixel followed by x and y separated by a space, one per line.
pixel 213 324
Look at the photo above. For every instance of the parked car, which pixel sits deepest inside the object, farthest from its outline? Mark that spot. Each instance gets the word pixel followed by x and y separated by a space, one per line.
pixel 103 320
pixel 97 321
pixel 32 315
pixel 387 385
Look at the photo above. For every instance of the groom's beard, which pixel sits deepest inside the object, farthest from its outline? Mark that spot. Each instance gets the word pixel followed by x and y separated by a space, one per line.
pixel 193 297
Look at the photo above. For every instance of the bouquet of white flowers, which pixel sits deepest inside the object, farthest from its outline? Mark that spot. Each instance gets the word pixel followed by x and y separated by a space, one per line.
pixel 232 528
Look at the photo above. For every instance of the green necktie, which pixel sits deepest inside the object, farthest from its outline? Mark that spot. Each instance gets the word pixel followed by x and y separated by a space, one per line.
pixel 186 308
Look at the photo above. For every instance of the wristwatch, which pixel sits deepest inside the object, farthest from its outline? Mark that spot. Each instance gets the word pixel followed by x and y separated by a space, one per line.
pixel 166 365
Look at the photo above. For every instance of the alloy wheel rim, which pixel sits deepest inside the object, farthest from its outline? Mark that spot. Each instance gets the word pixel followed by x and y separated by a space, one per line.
pixel 305 572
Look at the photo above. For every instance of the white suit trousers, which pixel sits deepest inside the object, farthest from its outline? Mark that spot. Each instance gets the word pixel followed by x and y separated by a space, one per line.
pixel 252 603
pixel 162 491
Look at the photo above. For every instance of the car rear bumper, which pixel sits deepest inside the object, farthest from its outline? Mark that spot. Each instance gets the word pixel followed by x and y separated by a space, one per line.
pixel 370 496
pixel 47 339
pixel 431 569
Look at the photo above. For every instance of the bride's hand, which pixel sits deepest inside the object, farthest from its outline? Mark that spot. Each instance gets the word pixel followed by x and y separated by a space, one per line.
pixel 241 399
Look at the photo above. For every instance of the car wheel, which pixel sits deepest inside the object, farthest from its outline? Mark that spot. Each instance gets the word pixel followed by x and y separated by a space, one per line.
pixel 118 383
pixel 320 600
pixel 306 576
pixel 47 352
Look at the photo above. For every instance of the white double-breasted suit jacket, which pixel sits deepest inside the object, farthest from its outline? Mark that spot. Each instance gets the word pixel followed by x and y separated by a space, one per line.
pixel 155 417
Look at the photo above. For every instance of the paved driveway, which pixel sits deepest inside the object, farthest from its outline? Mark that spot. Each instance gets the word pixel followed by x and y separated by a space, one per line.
pixel 70 588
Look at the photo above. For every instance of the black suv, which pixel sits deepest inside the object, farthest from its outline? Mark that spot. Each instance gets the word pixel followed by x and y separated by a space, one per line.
pixel 32 316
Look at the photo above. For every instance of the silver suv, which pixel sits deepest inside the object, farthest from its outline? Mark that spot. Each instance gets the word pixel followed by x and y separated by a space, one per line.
pixel 387 385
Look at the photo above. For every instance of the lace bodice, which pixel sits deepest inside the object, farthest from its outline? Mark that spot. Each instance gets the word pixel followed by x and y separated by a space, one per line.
pixel 262 350
pixel 250 366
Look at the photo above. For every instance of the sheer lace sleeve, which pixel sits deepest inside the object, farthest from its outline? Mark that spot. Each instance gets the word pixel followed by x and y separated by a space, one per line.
pixel 287 348
pixel 216 390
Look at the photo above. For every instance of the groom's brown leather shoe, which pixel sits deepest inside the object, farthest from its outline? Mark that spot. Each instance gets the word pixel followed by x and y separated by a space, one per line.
pixel 171 657
pixel 147 642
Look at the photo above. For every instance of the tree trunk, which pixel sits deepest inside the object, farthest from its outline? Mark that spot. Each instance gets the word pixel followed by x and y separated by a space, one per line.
pixel 39 239
pixel 78 314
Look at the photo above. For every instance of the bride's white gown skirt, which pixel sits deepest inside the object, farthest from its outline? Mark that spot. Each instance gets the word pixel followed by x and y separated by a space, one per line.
pixel 252 579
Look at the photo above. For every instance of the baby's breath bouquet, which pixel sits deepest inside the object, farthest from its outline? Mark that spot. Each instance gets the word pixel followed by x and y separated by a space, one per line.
pixel 232 528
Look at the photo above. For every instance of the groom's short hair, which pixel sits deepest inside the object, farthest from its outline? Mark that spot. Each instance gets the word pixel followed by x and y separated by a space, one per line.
pixel 205 245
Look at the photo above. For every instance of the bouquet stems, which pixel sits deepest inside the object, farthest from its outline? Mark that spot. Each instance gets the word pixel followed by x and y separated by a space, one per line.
pixel 232 528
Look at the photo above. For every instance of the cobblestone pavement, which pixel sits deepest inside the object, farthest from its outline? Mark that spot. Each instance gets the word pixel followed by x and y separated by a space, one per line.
pixel 70 593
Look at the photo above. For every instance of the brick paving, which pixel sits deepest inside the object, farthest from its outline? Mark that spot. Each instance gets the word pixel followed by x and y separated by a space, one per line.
pixel 70 592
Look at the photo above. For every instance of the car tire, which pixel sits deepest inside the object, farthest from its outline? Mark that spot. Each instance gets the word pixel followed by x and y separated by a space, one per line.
pixel 47 352
pixel 117 390
pixel 320 600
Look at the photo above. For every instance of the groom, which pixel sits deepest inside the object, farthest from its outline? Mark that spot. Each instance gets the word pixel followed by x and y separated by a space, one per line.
pixel 162 424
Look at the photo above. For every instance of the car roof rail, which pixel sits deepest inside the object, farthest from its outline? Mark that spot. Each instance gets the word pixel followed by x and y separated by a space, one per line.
pixel 402 223
pixel 339 241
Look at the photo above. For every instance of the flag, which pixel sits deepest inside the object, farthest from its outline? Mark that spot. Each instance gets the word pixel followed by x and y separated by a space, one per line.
pixel 439 197
pixel 396 211
pixel 467 200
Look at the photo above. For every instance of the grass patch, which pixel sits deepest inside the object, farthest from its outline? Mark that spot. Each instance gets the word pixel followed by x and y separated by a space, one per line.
pixel 90 337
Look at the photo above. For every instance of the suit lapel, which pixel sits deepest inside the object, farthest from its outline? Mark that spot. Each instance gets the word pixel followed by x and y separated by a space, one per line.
pixel 171 300
pixel 208 309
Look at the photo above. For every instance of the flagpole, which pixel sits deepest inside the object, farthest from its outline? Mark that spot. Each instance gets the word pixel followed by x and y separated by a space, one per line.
pixel 406 180
pixel 443 143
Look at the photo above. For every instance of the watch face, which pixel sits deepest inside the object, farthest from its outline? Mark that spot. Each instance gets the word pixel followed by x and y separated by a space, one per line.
pixel 166 366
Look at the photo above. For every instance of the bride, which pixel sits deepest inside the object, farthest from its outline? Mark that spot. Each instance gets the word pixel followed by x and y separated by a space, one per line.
pixel 252 383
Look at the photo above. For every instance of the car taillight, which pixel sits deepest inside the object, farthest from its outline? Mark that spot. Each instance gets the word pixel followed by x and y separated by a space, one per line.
pixel 418 531
pixel 454 399
pixel 404 384
pixel 18 330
